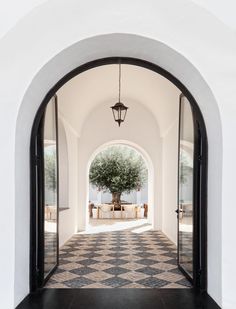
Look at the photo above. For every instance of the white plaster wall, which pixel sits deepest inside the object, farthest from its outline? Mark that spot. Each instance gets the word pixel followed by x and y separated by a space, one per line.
pixel 170 178
pixel 68 217
pixel 223 10
pixel 201 55
pixel 63 166
pixel 12 11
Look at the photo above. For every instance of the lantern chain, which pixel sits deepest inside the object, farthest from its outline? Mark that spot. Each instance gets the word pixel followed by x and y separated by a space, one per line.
pixel 119 81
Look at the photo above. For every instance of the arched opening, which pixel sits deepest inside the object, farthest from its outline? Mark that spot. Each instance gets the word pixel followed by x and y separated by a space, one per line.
pixel 200 161
pixel 142 196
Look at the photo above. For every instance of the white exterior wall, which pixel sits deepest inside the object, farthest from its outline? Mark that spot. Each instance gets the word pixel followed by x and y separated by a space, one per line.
pixel 201 55
pixel 8 17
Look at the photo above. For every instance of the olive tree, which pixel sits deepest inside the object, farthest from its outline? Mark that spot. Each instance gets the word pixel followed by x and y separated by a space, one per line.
pixel 118 169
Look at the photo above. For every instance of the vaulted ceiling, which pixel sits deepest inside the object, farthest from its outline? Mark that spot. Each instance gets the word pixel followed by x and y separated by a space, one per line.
pixel 85 92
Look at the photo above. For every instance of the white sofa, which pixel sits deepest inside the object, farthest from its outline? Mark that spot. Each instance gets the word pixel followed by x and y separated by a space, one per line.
pixel 129 211
pixel 105 211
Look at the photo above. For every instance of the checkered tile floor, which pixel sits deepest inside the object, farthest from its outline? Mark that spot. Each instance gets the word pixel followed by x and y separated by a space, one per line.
pixel 118 260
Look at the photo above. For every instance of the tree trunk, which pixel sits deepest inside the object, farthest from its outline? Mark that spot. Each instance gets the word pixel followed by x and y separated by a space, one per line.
pixel 116 198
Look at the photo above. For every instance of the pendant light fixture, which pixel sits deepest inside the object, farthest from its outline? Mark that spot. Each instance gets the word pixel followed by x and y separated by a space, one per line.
pixel 119 110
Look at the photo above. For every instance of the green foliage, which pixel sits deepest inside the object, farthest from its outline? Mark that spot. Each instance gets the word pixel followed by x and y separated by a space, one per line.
pixel 118 169
pixel 50 169
pixel 186 167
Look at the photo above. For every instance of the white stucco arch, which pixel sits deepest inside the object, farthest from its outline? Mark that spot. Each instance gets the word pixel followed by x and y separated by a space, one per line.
pixel 148 163
pixel 131 46
pixel 201 55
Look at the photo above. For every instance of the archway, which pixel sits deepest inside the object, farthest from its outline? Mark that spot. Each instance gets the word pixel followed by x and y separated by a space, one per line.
pixel 155 52
pixel 148 163
pixel 200 170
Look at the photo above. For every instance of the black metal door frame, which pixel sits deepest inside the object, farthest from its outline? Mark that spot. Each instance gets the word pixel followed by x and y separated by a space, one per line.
pixel 200 217
pixel 37 279
pixel 199 201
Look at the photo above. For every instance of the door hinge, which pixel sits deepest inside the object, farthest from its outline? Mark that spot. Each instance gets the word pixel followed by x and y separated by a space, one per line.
pixel 200 158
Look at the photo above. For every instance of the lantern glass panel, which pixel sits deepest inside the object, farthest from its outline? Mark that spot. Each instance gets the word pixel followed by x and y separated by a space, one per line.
pixel 115 114
pixel 123 114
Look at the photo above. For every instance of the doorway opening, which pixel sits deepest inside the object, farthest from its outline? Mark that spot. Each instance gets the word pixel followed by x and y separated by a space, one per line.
pixel 136 196
pixel 190 181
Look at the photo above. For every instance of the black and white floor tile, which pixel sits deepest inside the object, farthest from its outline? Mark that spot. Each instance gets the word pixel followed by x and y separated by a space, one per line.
pixel 121 259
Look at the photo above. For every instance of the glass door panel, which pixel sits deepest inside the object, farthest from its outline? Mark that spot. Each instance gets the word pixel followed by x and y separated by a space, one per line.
pixel 47 188
pixel 186 184
pixel 50 189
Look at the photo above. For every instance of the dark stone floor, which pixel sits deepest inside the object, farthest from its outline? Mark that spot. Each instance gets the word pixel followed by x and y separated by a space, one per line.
pixel 117 299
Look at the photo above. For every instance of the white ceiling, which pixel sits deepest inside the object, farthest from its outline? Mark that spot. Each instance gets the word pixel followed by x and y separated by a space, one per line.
pixel 97 86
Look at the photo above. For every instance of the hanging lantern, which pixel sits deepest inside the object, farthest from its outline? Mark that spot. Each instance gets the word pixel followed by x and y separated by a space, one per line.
pixel 119 109
pixel 119 112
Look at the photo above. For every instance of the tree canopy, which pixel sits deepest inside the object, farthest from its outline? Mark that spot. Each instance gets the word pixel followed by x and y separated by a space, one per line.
pixel 118 169
pixel 50 168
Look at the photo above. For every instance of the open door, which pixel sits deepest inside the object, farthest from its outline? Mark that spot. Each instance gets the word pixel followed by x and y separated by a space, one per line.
pixel 191 212
pixel 45 164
